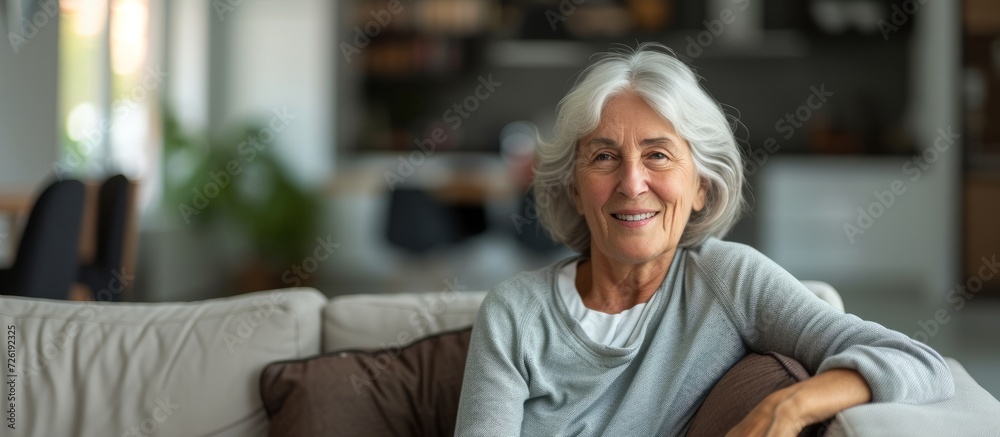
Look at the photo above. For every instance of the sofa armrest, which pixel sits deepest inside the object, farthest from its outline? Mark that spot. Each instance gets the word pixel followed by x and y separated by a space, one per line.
pixel 826 292
pixel 971 412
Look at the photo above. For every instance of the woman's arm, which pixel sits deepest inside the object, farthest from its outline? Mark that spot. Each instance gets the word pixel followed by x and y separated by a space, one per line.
pixel 790 320
pixel 775 312
pixel 787 411
pixel 494 388
pixel 855 361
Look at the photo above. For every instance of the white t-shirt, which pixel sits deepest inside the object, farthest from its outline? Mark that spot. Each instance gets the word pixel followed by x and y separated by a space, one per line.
pixel 616 330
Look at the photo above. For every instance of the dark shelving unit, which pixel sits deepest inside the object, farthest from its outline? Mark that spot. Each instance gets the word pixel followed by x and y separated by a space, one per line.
pixel 981 139
pixel 410 73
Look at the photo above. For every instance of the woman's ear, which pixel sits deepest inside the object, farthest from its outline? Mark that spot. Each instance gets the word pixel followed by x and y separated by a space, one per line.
pixel 701 196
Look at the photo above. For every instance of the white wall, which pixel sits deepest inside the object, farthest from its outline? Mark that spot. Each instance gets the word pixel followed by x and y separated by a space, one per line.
pixel 187 34
pixel 274 54
pixel 937 56
pixel 29 84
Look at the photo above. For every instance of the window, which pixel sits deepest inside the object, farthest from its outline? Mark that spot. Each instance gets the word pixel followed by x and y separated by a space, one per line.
pixel 108 91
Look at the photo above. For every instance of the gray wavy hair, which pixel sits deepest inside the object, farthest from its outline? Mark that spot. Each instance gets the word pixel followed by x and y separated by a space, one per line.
pixel 670 88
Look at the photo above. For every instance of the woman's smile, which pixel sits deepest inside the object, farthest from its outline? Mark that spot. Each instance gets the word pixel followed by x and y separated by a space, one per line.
pixel 634 218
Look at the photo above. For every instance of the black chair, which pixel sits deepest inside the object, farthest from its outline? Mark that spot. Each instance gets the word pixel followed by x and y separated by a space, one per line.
pixel 419 223
pixel 46 261
pixel 112 220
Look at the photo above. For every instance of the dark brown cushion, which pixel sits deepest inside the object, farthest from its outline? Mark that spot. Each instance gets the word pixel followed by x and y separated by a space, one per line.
pixel 747 383
pixel 394 392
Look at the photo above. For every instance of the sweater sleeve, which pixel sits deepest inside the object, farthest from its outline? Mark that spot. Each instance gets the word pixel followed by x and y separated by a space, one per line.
pixel 777 313
pixel 494 387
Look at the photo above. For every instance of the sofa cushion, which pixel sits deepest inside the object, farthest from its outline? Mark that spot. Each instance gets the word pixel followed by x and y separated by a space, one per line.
pixel 971 412
pixel 397 391
pixel 373 320
pixel 742 388
pixel 143 369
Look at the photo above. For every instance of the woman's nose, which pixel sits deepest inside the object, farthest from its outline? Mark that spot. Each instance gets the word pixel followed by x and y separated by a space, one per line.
pixel 633 179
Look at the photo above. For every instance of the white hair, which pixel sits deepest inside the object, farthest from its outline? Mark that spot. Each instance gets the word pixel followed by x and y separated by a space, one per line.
pixel 672 90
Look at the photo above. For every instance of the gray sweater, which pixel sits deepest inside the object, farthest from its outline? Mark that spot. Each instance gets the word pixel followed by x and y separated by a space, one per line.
pixel 531 369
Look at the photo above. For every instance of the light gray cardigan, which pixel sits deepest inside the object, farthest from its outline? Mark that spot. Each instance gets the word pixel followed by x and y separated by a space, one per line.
pixel 531 369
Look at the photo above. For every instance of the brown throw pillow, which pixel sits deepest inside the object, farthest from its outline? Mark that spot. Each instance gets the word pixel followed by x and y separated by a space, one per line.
pixel 394 392
pixel 747 383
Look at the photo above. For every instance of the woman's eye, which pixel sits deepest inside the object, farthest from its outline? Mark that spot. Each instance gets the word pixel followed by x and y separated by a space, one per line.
pixel 658 155
pixel 603 157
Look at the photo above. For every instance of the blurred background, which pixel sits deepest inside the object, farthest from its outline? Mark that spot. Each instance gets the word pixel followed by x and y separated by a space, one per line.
pixel 386 146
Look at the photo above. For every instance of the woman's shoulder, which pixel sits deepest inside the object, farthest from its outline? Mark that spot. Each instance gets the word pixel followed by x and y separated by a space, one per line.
pixel 718 253
pixel 528 289
pixel 729 266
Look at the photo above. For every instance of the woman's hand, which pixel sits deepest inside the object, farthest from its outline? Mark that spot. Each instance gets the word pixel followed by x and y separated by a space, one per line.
pixel 787 411
pixel 775 416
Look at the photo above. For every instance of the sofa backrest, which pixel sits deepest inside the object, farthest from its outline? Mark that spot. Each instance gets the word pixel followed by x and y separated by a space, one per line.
pixel 373 321
pixel 169 369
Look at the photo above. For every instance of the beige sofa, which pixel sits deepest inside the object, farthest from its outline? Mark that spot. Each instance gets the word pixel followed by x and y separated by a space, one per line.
pixel 192 369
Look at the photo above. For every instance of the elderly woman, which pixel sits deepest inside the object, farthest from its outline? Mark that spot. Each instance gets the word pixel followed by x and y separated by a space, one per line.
pixel 628 338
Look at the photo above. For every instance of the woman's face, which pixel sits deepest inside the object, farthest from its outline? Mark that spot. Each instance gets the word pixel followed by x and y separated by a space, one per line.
pixel 636 182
